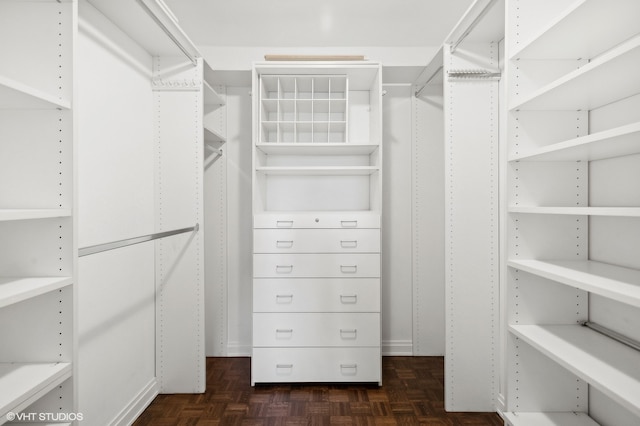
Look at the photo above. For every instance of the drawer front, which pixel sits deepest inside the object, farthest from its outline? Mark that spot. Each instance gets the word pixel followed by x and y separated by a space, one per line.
pixel 347 220
pixel 315 329
pixel 273 365
pixel 316 241
pixel 316 295
pixel 316 265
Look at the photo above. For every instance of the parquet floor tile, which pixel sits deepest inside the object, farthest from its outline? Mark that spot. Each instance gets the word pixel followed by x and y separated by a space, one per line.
pixel 412 394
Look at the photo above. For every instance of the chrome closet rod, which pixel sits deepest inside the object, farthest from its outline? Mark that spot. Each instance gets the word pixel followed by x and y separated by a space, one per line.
pixel 419 91
pixel 612 334
pixel 454 44
pixel 98 248
pixel 164 28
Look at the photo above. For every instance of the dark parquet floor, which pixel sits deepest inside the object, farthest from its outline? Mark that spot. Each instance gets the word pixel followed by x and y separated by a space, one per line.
pixel 412 394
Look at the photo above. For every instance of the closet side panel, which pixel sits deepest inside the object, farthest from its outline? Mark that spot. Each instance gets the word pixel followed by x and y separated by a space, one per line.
pixel 471 237
pixel 116 317
pixel 396 223
pixel 180 339
pixel 428 222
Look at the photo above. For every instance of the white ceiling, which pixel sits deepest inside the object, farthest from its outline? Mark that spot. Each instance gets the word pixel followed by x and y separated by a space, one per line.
pixel 310 23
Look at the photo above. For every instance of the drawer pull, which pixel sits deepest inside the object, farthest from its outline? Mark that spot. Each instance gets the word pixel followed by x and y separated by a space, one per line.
pixel 350 299
pixel 284 244
pixel 349 243
pixel 349 333
pixel 284 330
pixel 348 365
pixel 349 369
pixel 349 223
pixel 284 269
pixel 348 269
pixel 284 365
pixel 284 223
pixel 284 298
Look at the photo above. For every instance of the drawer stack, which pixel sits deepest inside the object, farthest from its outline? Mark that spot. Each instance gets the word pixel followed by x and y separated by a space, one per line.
pixel 316 298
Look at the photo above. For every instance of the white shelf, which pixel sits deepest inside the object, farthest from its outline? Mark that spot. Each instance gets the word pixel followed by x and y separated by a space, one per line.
pixel 25 214
pixel 211 97
pixel 17 289
pixel 554 40
pixel 609 77
pixel 213 136
pixel 24 383
pixel 624 140
pixel 549 419
pixel 604 363
pixel 319 148
pixel 17 95
pixel 319 171
pixel 583 211
pixel 613 282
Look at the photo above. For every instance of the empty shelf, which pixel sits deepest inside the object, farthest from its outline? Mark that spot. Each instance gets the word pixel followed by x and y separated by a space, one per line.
pixel 549 419
pixel 316 148
pixel 213 136
pixel 583 211
pixel 24 214
pixel 319 171
pixel 211 97
pixel 17 95
pixel 609 77
pixel 555 41
pixel 602 362
pixel 24 383
pixel 613 282
pixel 17 289
pixel 624 140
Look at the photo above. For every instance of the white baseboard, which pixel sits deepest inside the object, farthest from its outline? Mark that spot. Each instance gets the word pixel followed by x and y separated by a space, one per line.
pixel 238 349
pixel 397 348
pixel 131 412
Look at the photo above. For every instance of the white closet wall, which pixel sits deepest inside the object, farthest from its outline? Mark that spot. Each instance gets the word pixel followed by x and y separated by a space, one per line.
pixel 116 316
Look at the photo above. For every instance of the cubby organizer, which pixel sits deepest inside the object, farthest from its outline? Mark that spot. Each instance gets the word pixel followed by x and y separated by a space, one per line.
pixel 303 108
pixel 572 215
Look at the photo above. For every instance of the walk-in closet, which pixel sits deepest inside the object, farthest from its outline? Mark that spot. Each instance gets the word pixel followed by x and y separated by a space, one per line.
pixel 281 212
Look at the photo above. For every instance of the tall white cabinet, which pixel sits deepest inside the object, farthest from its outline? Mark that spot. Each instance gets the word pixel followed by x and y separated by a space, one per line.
pixel 573 212
pixel 37 238
pixel 317 165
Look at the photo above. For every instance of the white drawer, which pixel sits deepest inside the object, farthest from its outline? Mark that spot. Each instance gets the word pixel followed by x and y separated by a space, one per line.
pixel 272 365
pixel 316 265
pixel 316 295
pixel 317 220
pixel 316 329
pixel 316 241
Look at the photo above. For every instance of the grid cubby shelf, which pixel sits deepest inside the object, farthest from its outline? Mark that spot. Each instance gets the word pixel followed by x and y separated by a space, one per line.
pixel 24 383
pixel 549 419
pixel 303 108
pixel 614 23
pixel 317 149
pixel 18 289
pixel 616 142
pixel 607 78
pixel 611 281
pixel 602 362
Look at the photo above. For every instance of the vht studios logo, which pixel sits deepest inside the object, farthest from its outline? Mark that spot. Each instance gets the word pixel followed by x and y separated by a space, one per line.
pixel 44 417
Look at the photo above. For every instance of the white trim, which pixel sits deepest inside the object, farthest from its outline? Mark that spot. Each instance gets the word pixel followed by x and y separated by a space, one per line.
pixel 131 412
pixel 235 349
pixel 397 348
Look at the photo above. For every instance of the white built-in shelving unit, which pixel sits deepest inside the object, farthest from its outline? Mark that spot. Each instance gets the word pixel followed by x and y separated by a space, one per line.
pixel 37 238
pixel 317 165
pixel 572 212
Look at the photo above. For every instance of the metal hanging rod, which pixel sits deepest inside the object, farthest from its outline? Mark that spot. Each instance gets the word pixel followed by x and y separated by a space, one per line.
pixel 431 77
pixel 193 57
pixel 612 334
pixel 468 28
pixel 135 240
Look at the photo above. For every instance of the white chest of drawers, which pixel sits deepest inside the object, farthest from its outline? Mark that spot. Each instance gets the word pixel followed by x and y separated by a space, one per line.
pixel 316 201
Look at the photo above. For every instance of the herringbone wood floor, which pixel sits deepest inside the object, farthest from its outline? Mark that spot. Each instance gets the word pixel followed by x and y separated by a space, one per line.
pixel 412 394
